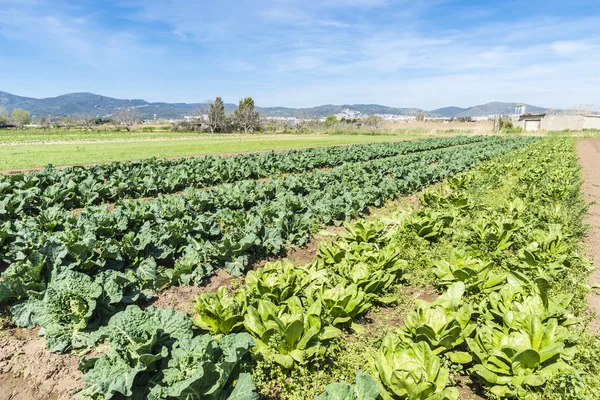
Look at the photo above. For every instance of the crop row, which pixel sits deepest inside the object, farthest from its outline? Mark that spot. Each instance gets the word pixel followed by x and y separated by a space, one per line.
pixel 500 318
pixel 107 259
pixel 510 314
pixel 77 187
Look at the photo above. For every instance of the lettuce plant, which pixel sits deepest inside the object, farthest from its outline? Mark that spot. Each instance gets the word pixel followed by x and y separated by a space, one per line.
pixel 276 282
pixel 474 273
pixel 411 371
pixel 514 362
pixel 428 225
pixel 340 303
pixel 443 324
pixel 360 232
pixel 494 236
pixel 512 305
pixel 220 312
pixel 371 268
pixel 288 333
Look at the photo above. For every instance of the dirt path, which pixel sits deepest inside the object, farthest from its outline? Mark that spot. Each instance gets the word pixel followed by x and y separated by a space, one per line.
pixel 28 371
pixel 588 151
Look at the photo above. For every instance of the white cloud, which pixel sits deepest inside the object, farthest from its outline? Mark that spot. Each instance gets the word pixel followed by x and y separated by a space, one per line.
pixel 48 26
pixel 571 48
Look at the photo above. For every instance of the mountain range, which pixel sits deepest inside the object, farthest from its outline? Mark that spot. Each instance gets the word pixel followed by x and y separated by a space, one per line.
pixel 97 105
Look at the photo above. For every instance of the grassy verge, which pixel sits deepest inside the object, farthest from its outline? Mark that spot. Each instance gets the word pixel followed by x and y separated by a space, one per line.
pixel 39 155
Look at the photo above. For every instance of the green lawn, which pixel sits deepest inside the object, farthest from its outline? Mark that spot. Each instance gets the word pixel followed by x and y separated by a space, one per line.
pixel 14 156
pixel 38 135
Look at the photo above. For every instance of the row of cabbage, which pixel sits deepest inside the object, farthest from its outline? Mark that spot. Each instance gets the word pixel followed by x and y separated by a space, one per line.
pixel 68 274
pixel 508 314
pixel 77 187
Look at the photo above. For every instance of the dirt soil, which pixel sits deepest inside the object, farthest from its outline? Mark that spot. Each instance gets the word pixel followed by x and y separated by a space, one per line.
pixel 181 298
pixel 588 151
pixel 28 371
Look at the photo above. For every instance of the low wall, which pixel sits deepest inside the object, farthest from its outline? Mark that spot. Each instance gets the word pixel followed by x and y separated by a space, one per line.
pixel 562 122
pixel 590 122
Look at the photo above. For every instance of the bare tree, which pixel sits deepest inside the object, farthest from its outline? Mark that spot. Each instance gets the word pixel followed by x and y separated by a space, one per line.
pixel 216 115
pixel 302 125
pixel 245 117
pixel 44 121
pixel 125 116
pixel 86 121
pixel 201 112
pixel 373 123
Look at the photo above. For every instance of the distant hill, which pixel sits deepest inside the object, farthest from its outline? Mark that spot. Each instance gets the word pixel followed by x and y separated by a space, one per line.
pixel 330 109
pixel 89 103
pixel 485 110
pixel 448 111
pixel 497 108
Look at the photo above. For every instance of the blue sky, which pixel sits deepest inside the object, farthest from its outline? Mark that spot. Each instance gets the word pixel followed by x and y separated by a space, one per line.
pixel 298 53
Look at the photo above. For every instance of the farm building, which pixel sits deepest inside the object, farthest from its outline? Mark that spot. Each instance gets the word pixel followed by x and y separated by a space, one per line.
pixel 550 122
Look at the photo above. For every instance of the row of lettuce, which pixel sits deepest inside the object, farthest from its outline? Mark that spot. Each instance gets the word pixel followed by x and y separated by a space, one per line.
pixel 512 311
pixel 509 314
pixel 76 187
pixel 69 274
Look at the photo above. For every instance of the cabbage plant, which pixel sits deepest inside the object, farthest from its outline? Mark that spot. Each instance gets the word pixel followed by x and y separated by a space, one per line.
pixel 155 355
pixel 366 388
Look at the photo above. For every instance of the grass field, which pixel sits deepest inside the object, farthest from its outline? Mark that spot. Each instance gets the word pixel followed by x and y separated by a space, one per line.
pixel 144 145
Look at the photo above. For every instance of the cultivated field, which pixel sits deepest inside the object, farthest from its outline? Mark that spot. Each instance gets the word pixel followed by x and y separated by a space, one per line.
pixel 440 268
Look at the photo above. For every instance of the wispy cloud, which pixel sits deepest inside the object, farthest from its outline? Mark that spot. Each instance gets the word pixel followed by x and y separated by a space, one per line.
pixel 53 26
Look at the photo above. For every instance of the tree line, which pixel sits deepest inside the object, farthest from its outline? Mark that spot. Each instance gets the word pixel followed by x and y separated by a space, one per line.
pixel 211 117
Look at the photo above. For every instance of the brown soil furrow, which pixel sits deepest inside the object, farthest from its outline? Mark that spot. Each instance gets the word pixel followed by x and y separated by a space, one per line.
pixel 28 371
pixel 588 151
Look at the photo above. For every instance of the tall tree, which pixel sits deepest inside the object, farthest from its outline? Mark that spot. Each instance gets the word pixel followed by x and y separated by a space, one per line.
pixel 216 115
pixel 245 117
pixel 20 117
